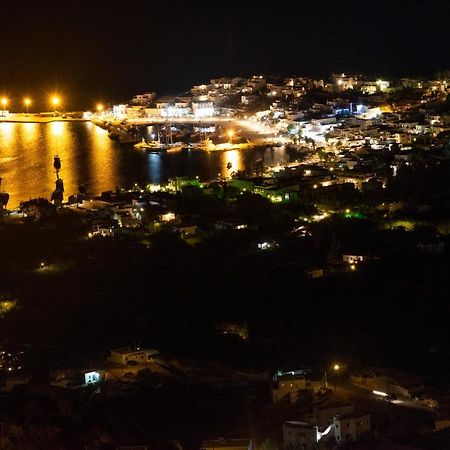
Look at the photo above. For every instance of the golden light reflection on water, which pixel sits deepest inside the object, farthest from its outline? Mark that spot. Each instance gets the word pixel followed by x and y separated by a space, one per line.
pixel 89 157
pixel 58 129
pixel 30 133
pixel 102 160
pixel 6 133
pixel 60 141
pixel 231 162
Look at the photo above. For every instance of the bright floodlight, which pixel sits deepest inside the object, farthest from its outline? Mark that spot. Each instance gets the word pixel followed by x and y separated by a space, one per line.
pixel 336 367
pixel 100 107
pixel 55 101
pixel 230 133
pixel 4 101
pixel 27 101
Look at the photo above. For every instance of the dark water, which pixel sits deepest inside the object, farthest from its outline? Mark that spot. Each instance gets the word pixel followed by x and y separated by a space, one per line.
pixel 89 157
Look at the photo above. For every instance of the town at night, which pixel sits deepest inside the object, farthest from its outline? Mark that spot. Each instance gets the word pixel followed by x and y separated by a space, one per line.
pixel 225 226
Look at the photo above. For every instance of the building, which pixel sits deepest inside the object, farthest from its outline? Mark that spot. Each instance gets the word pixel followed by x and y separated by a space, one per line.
pixel 143 99
pixel 351 427
pixel 354 259
pixel 125 355
pixel 203 109
pixel 288 388
pixel 323 415
pixel 227 444
pixel 299 436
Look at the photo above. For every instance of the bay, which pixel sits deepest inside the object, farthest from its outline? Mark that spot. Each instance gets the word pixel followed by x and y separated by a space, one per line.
pixel 90 158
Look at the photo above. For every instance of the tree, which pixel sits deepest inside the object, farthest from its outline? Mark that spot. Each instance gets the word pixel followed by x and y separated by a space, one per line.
pixel 37 209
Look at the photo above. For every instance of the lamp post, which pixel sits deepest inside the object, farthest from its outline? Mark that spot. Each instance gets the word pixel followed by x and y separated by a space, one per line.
pixel 336 369
pixel 55 100
pixel 4 102
pixel 27 103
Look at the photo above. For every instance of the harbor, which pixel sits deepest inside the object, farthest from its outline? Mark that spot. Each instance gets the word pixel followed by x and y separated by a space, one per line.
pixel 91 159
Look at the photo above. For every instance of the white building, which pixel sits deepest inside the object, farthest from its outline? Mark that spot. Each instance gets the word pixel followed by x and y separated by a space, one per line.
pixel 119 110
pixel 203 109
pixel 299 436
pixel 351 427
pixel 288 387
pixel 125 354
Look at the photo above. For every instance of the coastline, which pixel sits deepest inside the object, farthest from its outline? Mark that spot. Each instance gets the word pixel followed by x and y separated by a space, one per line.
pixel 35 118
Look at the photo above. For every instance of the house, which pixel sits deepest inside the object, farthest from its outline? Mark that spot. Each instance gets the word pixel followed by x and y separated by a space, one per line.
pixel 354 259
pixel 299 436
pixel 315 273
pixel 227 444
pixel 323 415
pixel 187 230
pixel 288 388
pixel 351 427
pixel 125 354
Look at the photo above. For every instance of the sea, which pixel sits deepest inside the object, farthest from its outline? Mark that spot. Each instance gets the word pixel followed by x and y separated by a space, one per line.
pixel 91 159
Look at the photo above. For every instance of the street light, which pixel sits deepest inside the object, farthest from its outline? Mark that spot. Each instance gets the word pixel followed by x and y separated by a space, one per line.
pixel 100 107
pixel 336 369
pixel 4 103
pixel 27 102
pixel 55 101
pixel 230 135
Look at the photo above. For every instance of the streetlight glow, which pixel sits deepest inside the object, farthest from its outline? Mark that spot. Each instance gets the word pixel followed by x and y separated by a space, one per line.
pixel 55 101
pixel 336 367
pixel 4 102
pixel 100 107
pixel 27 102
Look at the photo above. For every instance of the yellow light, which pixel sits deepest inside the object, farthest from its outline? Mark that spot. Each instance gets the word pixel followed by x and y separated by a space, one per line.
pixel 353 267
pixel 55 101
pixel 230 134
pixel 27 101
pixel 336 367
pixel 347 211
pixel 4 101
pixel 99 107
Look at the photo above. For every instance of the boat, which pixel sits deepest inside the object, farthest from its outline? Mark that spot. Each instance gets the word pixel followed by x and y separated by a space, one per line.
pixel 156 146
pixel 175 147
pixel 148 145
pixel 206 144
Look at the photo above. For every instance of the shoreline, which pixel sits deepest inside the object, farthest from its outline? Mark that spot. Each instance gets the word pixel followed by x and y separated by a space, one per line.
pixel 35 118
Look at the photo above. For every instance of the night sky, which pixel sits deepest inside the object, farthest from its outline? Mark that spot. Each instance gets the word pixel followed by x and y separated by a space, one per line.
pixel 110 50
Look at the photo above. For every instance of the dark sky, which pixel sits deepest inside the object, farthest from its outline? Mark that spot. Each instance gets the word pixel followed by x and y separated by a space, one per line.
pixel 90 50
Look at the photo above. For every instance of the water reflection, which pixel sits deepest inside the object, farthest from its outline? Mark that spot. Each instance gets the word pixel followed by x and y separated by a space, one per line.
pixel 60 141
pixel 155 168
pixel 89 157
pixel 103 165
pixel 7 131
pixel 231 162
